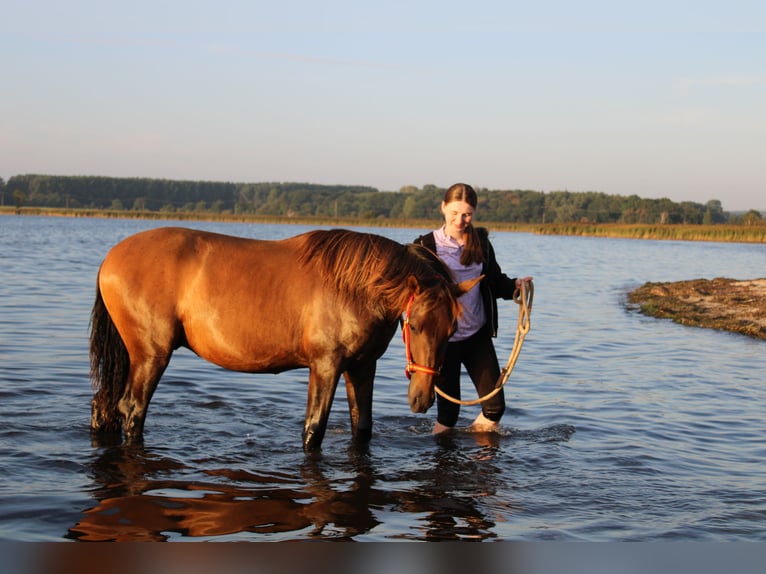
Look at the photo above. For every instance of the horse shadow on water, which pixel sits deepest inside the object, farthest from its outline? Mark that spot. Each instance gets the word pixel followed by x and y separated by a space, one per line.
pixel 142 495
pixel 139 498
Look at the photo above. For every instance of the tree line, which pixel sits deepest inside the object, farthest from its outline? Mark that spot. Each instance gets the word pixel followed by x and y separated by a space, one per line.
pixel 344 201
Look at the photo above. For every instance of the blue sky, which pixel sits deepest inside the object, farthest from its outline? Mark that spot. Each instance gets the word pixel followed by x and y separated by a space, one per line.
pixel 657 99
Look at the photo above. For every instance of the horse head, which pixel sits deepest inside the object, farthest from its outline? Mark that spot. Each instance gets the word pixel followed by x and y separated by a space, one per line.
pixel 429 321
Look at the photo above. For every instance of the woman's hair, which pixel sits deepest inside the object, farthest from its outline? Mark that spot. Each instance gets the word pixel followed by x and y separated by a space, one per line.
pixel 472 251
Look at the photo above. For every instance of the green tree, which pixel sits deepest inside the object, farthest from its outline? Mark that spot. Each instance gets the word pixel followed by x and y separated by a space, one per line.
pixel 216 206
pixel 714 212
pixel 19 197
pixel 752 217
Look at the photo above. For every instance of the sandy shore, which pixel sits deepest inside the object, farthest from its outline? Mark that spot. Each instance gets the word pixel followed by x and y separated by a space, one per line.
pixel 727 304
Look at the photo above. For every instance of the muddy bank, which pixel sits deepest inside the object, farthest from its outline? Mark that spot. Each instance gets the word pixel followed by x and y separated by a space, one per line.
pixel 727 304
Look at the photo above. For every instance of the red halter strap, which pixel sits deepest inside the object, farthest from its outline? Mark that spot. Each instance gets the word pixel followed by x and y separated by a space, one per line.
pixel 412 366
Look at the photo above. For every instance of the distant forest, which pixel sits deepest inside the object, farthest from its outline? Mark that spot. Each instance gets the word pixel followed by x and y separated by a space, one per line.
pixel 343 201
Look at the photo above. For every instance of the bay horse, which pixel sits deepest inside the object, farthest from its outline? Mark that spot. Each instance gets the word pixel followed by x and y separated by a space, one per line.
pixel 329 300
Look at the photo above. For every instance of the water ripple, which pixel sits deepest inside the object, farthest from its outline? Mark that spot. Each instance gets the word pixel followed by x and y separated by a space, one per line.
pixel 618 427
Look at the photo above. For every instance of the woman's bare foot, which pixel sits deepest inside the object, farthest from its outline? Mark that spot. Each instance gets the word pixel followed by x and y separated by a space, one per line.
pixel 440 428
pixel 483 424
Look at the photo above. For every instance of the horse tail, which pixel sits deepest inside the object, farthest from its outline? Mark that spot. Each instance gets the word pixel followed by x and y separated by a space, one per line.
pixel 109 367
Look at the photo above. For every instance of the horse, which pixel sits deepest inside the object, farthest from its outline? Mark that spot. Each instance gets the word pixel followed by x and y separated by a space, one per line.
pixel 328 300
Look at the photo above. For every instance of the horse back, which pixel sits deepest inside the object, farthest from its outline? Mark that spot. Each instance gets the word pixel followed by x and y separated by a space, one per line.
pixel 244 304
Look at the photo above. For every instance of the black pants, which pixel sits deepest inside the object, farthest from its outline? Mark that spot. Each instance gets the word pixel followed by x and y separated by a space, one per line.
pixel 478 355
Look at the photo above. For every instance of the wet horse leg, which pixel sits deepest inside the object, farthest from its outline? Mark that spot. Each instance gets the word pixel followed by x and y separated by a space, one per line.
pixel 143 378
pixel 322 384
pixel 359 384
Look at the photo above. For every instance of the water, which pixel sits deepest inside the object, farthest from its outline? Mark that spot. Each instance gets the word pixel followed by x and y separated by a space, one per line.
pixel 620 427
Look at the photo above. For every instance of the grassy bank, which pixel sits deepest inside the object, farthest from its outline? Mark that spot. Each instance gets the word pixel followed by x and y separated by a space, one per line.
pixel 721 233
pixel 210 216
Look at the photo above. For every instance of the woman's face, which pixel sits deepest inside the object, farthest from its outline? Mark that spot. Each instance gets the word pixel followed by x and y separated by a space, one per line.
pixel 457 216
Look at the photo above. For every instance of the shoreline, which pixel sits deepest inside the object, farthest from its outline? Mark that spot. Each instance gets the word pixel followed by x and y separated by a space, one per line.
pixel 737 306
pixel 721 233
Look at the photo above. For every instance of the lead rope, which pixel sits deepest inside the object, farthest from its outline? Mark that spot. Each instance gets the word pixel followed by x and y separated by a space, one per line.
pixel 523 296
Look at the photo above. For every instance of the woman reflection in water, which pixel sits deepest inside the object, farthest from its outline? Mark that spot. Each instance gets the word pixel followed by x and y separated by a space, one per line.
pixel 468 252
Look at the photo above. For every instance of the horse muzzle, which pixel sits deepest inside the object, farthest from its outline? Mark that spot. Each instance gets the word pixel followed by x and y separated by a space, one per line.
pixel 421 393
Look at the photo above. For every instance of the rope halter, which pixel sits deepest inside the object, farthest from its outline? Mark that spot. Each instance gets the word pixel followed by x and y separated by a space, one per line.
pixel 412 366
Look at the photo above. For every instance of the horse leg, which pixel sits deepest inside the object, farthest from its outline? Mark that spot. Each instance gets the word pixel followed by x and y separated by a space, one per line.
pixel 322 385
pixel 143 378
pixel 359 393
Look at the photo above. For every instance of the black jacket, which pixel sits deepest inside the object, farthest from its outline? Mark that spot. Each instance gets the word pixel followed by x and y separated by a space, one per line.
pixel 495 285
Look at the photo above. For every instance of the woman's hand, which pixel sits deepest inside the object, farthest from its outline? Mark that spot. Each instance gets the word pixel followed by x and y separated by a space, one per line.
pixel 524 280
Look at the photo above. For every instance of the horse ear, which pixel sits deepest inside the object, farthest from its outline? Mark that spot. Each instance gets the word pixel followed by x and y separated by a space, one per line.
pixel 467 285
pixel 413 285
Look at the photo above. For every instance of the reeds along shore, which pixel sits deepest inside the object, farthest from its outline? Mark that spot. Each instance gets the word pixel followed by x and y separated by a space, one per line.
pixel 678 232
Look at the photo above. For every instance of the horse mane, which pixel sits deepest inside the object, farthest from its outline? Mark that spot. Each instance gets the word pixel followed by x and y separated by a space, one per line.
pixel 373 267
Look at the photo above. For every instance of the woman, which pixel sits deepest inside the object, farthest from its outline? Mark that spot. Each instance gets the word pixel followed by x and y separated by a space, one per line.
pixel 468 252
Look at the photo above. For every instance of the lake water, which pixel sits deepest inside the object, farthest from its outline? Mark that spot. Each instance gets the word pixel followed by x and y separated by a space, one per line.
pixel 619 427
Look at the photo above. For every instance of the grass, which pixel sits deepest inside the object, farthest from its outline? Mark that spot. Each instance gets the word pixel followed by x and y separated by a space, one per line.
pixel 722 232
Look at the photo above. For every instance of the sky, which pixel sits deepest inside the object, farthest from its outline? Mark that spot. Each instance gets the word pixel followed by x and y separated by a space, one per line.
pixel 653 98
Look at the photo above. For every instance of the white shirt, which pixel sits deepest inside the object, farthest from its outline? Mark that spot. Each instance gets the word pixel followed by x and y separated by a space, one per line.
pixel 473 318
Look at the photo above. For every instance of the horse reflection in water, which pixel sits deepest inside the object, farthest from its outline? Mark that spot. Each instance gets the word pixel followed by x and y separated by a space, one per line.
pixel 326 300
pixel 137 500
pixel 135 505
